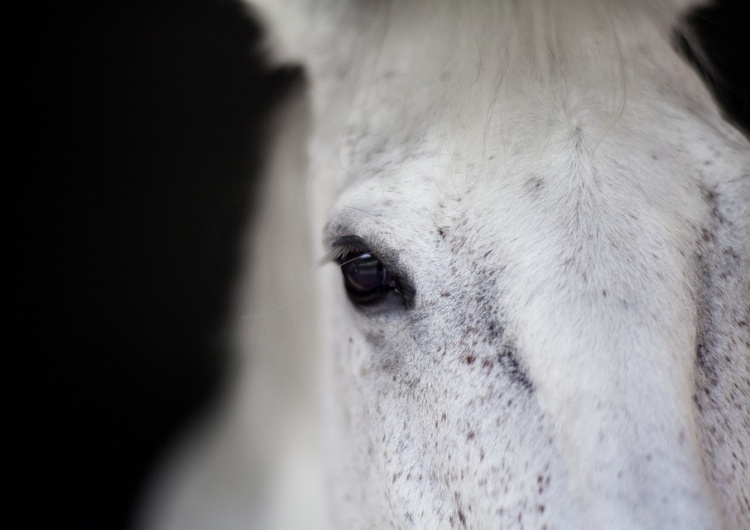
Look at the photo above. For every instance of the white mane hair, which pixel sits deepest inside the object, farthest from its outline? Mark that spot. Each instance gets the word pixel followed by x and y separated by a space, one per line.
pixel 485 59
pixel 564 143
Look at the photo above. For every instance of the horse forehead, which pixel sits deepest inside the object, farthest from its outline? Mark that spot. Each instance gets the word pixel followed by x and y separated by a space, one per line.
pixel 551 172
pixel 488 136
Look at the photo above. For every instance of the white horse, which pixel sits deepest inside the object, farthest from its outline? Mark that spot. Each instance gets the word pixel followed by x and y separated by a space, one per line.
pixel 543 226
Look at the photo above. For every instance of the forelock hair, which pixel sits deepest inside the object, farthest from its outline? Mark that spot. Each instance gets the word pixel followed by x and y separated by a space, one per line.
pixel 391 73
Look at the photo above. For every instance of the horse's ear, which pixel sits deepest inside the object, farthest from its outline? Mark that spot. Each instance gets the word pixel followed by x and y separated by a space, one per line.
pixel 670 13
pixel 288 26
pixel 679 10
pixel 682 7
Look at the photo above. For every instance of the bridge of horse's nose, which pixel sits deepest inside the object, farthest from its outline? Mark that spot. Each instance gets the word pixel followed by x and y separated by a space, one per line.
pixel 627 430
pixel 617 388
pixel 628 477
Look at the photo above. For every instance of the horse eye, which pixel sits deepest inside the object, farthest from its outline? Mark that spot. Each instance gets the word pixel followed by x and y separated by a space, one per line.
pixel 366 279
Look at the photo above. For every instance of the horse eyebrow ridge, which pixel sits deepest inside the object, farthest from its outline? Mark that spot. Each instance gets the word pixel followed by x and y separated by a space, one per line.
pixel 338 246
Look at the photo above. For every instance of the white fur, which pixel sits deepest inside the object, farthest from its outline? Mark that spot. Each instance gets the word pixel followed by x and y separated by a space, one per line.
pixel 569 205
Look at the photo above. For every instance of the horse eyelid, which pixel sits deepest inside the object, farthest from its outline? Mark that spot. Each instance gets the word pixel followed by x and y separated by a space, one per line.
pixel 344 245
pixel 341 246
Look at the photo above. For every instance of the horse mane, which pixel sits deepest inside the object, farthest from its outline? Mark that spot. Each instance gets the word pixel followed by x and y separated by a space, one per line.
pixel 539 39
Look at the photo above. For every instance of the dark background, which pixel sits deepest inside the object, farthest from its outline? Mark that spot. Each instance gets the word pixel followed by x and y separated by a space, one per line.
pixel 141 133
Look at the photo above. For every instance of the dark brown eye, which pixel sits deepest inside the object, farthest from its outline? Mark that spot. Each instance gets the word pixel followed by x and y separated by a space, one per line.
pixel 366 279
